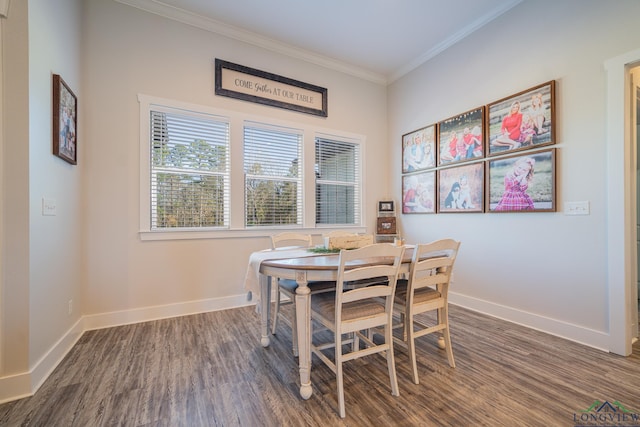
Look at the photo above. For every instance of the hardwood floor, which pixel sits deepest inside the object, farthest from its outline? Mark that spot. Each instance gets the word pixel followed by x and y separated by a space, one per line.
pixel 210 370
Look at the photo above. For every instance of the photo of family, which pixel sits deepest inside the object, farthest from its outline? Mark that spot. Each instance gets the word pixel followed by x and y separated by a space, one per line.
pixel 460 137
pixel 419 149
pixel 524 183
pixel 460 189
pixel 418 193
pixel 522 121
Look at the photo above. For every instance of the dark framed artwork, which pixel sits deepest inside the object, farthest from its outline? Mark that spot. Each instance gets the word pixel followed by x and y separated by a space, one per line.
pixel 522 183
pixel 461 188
pixel 386 225
pixel 65 121
pixel 419 192
pixel 249 84
pixel 419 149
pixel 522 121
pixel 460 138
pixel 386 206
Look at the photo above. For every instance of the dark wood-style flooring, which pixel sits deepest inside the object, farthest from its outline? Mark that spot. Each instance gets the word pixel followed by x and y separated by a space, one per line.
pixel 210 370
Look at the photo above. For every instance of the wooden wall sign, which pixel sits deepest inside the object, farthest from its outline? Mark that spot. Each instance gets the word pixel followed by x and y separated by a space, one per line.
pixel 249 84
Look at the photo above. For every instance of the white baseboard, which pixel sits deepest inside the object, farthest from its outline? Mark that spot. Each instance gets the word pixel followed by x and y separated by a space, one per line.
pixel 25 384
pixel 589 337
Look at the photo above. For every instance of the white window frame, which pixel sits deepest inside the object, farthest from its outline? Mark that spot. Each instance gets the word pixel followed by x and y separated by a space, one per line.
pixel 237 121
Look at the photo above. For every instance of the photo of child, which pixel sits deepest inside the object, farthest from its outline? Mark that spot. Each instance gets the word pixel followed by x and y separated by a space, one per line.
pixel 522 121
pixel 461 188
pixel 522 183
pixel 460 137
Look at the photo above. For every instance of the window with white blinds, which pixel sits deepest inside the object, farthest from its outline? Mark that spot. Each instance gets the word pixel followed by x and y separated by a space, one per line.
pixel 189 170
pixel 337 169
pixel 273 176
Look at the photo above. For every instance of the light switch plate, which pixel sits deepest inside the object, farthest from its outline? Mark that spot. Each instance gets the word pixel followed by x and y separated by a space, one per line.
pixel 576 208
pixel 49 207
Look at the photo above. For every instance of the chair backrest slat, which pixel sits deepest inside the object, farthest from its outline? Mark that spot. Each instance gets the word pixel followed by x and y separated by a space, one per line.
pixel 291 239
pixel 373 262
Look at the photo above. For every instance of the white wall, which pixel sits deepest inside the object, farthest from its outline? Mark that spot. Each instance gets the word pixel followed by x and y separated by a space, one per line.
pixel 546 270
pixel 127 52
pixel 42 256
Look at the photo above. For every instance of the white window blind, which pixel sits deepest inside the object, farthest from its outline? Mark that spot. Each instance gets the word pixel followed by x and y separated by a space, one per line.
pixel 273 176
pixel 189 170
pixel 337 165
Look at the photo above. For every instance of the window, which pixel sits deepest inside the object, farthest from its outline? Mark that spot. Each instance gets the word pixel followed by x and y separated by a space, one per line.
pixel 273 176
pixel 212 173
pixel 337 169
pixel 189 185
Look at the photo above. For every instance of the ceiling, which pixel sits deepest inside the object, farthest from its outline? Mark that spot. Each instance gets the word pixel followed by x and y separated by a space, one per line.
pixel 379 40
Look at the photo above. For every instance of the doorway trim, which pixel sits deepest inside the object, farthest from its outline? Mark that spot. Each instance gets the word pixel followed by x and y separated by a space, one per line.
pixel 620 218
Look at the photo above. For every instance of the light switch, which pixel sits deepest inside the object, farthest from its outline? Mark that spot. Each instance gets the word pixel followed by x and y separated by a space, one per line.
pixel 49 207
pixel 576 208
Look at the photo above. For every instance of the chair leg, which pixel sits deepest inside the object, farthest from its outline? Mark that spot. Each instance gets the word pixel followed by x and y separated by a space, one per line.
pixel 339 379
pixel 276 311
pixel 447 337
pixel 294 330
pixel 391 363
pixel 411 343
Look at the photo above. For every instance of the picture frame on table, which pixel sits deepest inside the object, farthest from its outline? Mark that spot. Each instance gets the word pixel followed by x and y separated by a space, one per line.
pixel 386 206
pixel 419 149
pixel 419 192
pixel 525 182
pixel 461 138
pixel 522 121
pixel 386 225
pixel 64 121
pixel 461 188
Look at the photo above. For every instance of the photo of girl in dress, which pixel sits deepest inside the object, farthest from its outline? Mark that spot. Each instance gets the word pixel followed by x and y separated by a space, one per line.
pixel 460 189
pixel 522 121
pixel 460 137
pixel 524 183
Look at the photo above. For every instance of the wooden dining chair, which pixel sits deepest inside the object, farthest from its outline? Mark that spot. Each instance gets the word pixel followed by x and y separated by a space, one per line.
pixel 287 287
pixel 353 311
pixel 426 289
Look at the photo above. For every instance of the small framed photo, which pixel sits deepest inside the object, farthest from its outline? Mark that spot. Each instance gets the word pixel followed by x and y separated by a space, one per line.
pixel 522 183
pixel 522 121
pixel 419 149
pixel 419 193
pixel 65 121
pixel 386 206
pixel 386 225
pixel 460 138
pixel 461 188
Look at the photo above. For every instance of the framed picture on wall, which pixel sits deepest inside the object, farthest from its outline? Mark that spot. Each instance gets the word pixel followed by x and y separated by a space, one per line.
pixel 522 183
pixel 419 193
pixel 419 149
pixel 461 188
pixel 65 121
pixel 522 121
pixel 460 138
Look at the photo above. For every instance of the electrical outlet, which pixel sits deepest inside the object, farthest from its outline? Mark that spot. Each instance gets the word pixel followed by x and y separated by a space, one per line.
pixel 70 306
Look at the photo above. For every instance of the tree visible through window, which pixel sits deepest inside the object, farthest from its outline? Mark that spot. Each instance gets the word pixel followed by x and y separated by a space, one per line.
pixel 189 171
pixel 337 167
pixel 273 176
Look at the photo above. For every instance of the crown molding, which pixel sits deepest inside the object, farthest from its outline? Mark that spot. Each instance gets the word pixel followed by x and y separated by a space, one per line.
pixel 219 27
pixel 455 38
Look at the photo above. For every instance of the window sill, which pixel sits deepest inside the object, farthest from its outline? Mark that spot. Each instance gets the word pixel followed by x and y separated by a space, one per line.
pixel 233 234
